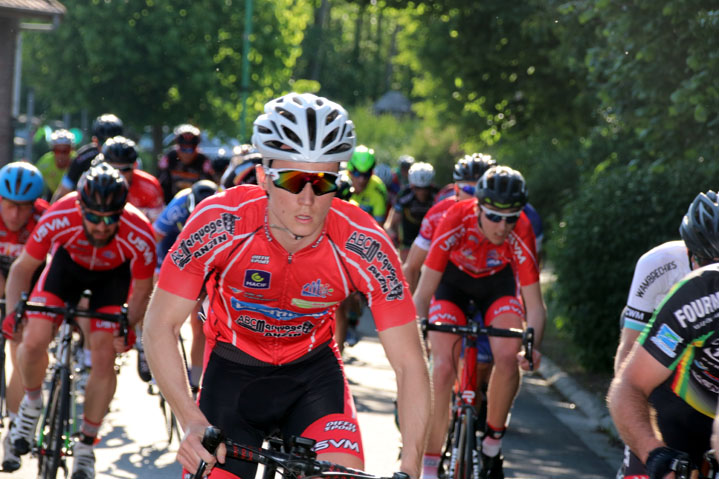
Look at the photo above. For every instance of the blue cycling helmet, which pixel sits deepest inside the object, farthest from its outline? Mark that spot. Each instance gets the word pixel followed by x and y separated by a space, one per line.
pixel 21 181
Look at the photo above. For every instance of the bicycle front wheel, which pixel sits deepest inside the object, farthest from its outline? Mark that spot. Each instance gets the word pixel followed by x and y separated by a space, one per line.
pixel 55 425
pixel 170 419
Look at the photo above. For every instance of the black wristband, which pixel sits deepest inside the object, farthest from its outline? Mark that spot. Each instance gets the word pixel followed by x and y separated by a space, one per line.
pixel 663 460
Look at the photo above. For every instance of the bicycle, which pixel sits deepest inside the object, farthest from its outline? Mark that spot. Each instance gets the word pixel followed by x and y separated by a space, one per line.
pixel 3 377
pixel 298 463
pixel 59 422
pixel 709 469
pixel 460 456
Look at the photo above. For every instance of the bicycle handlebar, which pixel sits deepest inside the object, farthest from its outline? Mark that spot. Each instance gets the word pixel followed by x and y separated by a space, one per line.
pixel 474 329
pixel 300 463
pixel 68 311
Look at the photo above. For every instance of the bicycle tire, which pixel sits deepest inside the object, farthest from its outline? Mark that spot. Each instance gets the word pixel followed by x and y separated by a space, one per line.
pixel 471 454
pixel 170 419
pixel 51 455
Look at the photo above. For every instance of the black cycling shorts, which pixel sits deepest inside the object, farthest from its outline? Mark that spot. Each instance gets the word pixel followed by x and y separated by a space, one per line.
pixel 308 397
pixel 66 280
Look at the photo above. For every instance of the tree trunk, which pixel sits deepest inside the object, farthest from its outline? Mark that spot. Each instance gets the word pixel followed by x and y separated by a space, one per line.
pixel 156 147
pixel 322 16
pixel 389 65
pixel 358 35
pixel 9 28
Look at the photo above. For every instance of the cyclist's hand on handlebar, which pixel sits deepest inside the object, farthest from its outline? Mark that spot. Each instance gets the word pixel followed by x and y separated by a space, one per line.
pixel 8 326
pixel 191 450
pixel 524 362
pixel 119 341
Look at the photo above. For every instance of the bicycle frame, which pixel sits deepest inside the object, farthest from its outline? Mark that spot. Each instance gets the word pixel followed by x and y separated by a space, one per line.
pixel 59 418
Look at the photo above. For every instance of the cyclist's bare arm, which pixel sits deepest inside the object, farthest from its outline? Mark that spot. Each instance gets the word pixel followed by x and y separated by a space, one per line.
pixel 413 265
pixel 536 317
pixel 626 341
pixel 629 401
pixel 165 315
pixel 59 193
pixel 428 282
pixel 404 350
pixel 137 304
pixel 715 434
pixel 19 278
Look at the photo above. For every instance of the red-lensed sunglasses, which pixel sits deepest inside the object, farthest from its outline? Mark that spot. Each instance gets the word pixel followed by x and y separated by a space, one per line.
pixel 294 181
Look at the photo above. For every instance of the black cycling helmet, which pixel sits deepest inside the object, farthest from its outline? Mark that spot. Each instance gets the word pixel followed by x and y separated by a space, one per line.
pixel 345 190
pixel 472 167
pixel 242 167
pixel 700 227
pixel 106 126
pixel 199 191
pixel 502 187
pixel 119 150
pixel 102 188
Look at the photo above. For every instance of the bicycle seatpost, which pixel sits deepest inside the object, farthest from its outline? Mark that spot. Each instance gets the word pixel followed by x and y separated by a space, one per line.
pixel 211 440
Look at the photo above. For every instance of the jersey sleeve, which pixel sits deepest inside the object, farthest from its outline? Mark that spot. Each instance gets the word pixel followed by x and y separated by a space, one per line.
pixel 649 285
pixel 143 240
pixel 524 249
pixel 448 233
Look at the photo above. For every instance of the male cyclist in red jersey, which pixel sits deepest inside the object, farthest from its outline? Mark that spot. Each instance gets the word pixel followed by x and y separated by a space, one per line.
pixel 98 242
pixel 182 166
pixel 278 258
pixel 21 207
pixel 482 250
pixel 145 192
pixel 467 171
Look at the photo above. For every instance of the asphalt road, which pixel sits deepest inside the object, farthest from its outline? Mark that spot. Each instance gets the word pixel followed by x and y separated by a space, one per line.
pixel 548 437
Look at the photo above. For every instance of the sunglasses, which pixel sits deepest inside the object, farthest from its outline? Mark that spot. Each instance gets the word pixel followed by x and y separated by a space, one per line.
pixel 294 181
pixel 123 168
pixel 188 148
pixel 469 189
pixel 496 217
pixel 62 151
pixel 97 219
pixel 366 174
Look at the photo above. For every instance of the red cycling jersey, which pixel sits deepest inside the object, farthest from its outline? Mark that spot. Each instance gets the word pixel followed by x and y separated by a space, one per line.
pixel 273 305
pixel 459 240
pixel 62 226
pixel 12 242
pixel 431 221
pixel 146 194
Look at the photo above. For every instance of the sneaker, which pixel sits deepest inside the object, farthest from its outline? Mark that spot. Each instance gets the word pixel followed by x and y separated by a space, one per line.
pixel 143 369
pixel 22 435
pixel 84 464
pixel 492 467
pixel 10 460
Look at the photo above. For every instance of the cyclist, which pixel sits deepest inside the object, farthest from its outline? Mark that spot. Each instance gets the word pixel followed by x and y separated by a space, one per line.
pixel 145 192
pixel 105 126
pixel 656 272
pixel 481 251
pixel 369 191
pixel 21 207
pixel 241 171
pixel 405 162
pixel 278 258
pixel 101 243
pixel 413 203
pixel 180 167
pixel 54 163
pixel 219 164
pixel 467 171
pixel 167 227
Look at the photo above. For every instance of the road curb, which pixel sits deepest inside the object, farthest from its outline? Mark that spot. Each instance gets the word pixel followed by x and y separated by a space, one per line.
pixel 594 408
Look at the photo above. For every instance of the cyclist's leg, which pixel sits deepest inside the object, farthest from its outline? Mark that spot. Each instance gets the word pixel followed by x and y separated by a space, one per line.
pixel 326 411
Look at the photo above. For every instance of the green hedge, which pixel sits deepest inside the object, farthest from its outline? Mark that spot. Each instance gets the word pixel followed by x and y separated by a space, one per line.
pixel 619 213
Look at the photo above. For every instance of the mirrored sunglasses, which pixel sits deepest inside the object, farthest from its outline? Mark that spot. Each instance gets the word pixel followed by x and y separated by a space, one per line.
pixel 469 189
pixel 294 181
pixel 359 174
pixel 97 219
pixel 496 216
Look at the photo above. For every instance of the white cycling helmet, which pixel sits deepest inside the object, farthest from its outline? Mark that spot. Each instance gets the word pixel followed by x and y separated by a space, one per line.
pixel 384 171
pixel 304 127
pixel 62 137
pixel 421 175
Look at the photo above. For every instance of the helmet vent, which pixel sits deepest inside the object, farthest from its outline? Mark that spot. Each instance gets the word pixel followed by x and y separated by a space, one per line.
pixel 292 136
pixel 287 114
pixel 312 127
pixel 330 137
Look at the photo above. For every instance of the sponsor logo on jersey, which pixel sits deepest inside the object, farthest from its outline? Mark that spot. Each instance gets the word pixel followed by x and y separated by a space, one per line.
pixel 667 340
pixel 305 304
pixel 316 289
pixel 653 276
pixel 181 256
pixel 341 444
pixel 273 313
pixel 340 426
pixel 56 224
pixel 210 245
pixel 268 329
pixel 364 246
pixel 697 309
pixel 260 259
pixel 517 249
pixel 142 247
pixel 493 259
pixel 451 240
pixel 631 313
pixel 257 279
pixel 216 231
pixel 370 250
